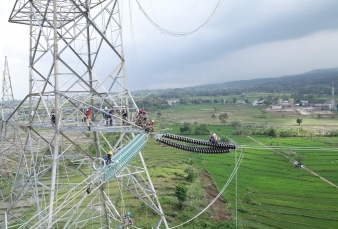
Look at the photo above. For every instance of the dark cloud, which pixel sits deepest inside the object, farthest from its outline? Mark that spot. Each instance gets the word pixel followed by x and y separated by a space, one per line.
pixel 241 28
pixel 156 60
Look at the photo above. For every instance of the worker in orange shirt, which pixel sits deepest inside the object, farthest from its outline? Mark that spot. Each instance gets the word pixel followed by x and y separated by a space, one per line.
pixel 88 117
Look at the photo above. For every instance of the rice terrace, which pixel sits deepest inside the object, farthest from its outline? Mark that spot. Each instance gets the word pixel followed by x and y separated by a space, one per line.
pixel 273 192
pixel 203 147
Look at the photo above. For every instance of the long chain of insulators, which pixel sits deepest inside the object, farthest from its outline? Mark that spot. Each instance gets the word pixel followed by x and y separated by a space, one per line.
pixel 216 148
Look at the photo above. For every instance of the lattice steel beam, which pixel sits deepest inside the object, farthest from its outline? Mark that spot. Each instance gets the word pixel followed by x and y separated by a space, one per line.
pixel 76 62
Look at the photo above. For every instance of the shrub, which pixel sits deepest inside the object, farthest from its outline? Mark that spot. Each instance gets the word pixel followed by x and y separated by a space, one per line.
pixel 185 128
pixel 248 197
pixel 181 192
pixel 272 132
pixel 236 123
pixel 192 174
pixel 201 129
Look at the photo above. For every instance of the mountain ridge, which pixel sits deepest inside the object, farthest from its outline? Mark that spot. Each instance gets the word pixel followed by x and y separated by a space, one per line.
pixel 315 74
pixel 316 81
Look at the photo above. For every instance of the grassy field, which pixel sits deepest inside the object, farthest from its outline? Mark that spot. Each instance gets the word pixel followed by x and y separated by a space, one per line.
pixel 271 192
pixel 168 167
pixel 247 115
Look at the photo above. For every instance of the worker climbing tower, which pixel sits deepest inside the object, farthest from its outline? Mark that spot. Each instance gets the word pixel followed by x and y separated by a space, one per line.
pixel 76 79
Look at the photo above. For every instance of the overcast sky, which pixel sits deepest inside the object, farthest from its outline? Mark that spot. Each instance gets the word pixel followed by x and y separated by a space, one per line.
pixel 245 39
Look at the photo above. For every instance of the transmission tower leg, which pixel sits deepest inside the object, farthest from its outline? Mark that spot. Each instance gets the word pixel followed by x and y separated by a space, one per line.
pixel 57 119
pixel 69 43
pixel 155 195
pixel 5 220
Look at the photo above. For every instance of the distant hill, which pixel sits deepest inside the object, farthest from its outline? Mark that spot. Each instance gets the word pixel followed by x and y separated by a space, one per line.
pixel 289 82
pixel 315 82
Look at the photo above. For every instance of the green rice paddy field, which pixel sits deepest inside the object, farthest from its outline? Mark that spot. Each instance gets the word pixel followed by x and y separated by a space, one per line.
pixel 271 192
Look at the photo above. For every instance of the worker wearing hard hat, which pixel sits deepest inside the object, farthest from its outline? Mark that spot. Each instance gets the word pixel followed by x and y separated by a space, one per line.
pixel 107 158
pixel 149 126
pixel 213 138
pixel 126 221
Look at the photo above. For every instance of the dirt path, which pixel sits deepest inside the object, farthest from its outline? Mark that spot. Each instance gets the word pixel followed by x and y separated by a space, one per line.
pixel 219 209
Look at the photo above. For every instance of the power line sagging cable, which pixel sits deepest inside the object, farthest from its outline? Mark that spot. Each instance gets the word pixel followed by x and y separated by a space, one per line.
pixel 179 34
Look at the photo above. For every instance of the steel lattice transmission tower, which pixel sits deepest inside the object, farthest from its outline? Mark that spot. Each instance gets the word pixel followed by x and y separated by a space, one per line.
pixel 77 62
pixel 9 136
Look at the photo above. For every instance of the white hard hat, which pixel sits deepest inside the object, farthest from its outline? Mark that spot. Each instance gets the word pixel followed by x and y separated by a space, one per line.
pixel 106 108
